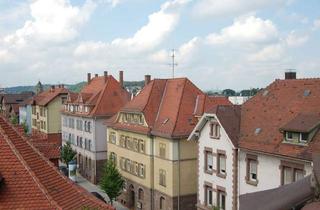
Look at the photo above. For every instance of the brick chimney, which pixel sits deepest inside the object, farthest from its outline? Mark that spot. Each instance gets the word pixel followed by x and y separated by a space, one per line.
pixel 89 77
pixel 121 78
pixel 147 79
pixel 105 74
pixel 290 75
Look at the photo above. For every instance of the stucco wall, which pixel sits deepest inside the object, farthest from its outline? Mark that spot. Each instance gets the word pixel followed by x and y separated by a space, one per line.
pixel 224 143
pixel 268 172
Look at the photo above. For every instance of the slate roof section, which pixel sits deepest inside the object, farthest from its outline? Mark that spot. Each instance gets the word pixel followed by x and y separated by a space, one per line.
pixel 170 107
pixel 103 94
pixel 276 107
pixel 32 182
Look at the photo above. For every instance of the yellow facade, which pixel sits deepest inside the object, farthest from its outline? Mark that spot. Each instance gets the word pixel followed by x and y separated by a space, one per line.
pixel 47 119
pixel 161 156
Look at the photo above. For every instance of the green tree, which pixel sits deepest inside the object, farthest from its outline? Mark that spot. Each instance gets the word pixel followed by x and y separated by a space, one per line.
pixel 14 120
pixel 67 154
pixel 111 181
pixel 229 92
pixel 25 127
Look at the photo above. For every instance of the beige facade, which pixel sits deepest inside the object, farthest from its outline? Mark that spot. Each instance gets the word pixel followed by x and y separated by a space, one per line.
pixel 164 162
pixel 47 119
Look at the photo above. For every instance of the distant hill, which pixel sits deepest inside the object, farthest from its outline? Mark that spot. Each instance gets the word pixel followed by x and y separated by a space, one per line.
pixel 132 86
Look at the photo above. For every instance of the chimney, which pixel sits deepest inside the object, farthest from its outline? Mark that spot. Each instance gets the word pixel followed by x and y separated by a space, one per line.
pixel 121 78
pixel 105 73
pixel 96 75
pixel 290 75
pixel 147 79
pixel 62 85
pixel 52 88
pixel 89 77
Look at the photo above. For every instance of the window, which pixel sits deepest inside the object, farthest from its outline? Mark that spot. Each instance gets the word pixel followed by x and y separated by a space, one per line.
pixel 215 130
pixel 291 172
pixel 222 164
pixel 208 161
pixel 136 168
pixel 162 150
pixel 113 157
pixel 79 125
pixel 289 135
pixel 287 175
pixel 162 177
pixel 89 145
pixel 252 170
pixel 221 200
pixel 141 170
pixel 112 138
pixel 128 165
pixel 122 164
pixel 161 203
pixel 65 121
pixel 304 137
pixel 208 194
pixel 71 123
pixel 122 141
pixel 140 194
pixel 141 146
pixel 89 127
pixel 136 145
pixel 129 143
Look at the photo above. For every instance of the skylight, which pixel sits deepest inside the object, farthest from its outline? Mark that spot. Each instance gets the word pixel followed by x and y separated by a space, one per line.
pixel 306 92
pixel 257 131
pixel 265 93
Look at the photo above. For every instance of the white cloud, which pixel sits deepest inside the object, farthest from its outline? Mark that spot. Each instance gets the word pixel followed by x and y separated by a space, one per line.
pixel 316 24
pixel 52 20
pixel 234 7
pixel 294 40
pixel 159 25
pixel 245 29
pixel 269 53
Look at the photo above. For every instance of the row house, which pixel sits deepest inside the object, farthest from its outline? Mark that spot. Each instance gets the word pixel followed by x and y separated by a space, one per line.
pixel 217 135
pixel 279 130
pixel 9 103
pixel 266 143
pixel 147 139
pixel 83 120
pixel 46 116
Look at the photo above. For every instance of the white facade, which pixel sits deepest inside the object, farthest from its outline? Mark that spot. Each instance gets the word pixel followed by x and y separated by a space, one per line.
pixel 205 143
pixel 269 171
pixel 238 100
pixel 96 148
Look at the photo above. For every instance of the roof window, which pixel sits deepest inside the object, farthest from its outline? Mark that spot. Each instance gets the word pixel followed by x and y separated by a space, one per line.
pixel 306 92
pixel 257 131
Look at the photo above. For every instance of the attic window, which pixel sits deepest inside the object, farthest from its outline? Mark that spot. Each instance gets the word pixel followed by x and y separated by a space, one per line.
pixel 306 92
pixel 257 131
pixel 165 121
pixel 296 137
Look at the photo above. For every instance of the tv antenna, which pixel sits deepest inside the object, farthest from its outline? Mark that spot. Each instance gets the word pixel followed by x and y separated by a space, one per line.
pixel 173 64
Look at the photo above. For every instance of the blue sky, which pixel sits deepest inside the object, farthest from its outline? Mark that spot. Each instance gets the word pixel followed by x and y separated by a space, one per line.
pixel 220 44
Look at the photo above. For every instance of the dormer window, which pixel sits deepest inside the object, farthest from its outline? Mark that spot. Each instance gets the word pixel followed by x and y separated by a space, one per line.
pixel 214 130
pixel 132 118
pixel 296 137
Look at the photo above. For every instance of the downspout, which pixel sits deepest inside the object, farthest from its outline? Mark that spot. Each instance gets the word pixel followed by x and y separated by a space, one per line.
pixel 152 172
pixel 179 175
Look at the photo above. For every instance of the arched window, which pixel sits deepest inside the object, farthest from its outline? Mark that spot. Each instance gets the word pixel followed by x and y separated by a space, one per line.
pixel 140 194
pixel 162 202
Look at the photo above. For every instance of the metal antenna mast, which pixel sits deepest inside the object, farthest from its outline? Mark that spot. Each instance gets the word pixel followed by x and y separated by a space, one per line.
pixel 173 64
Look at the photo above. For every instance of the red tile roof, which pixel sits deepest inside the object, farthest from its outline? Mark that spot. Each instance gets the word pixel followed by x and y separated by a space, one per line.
pixel 48 149
pixel 49 95
pixel 275 107
pixel 32 182
pixel 103 94
pixel 169 107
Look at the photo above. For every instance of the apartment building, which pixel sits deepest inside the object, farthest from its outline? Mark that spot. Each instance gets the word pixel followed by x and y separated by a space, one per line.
pixel 9 103
pixel 279 132
pixel 217 135
pixel 83 120
pixel 148 141
pixel 46 116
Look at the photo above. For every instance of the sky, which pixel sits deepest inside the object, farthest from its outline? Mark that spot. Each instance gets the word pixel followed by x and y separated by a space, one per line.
pixel 218 44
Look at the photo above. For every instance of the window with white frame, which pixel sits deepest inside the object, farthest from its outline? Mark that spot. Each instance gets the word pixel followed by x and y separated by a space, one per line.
pixel 253 170
pixel 208 161
pixel 208 196
pixel 162 177
pixel 215 130
pixel 222 164
pixel 112 137
pixel 221 200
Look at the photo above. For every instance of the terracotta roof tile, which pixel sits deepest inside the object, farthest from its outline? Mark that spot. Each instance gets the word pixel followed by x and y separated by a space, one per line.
pixel 47 96
pixel 170 106
pixel 32 182
pixel 105 96
pixel 275 107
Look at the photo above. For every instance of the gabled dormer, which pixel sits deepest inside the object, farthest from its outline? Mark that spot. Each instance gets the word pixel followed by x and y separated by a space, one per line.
pixel 136 118
pixel 301 129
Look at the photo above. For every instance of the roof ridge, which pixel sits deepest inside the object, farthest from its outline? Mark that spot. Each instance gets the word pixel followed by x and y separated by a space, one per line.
pixel 28 169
